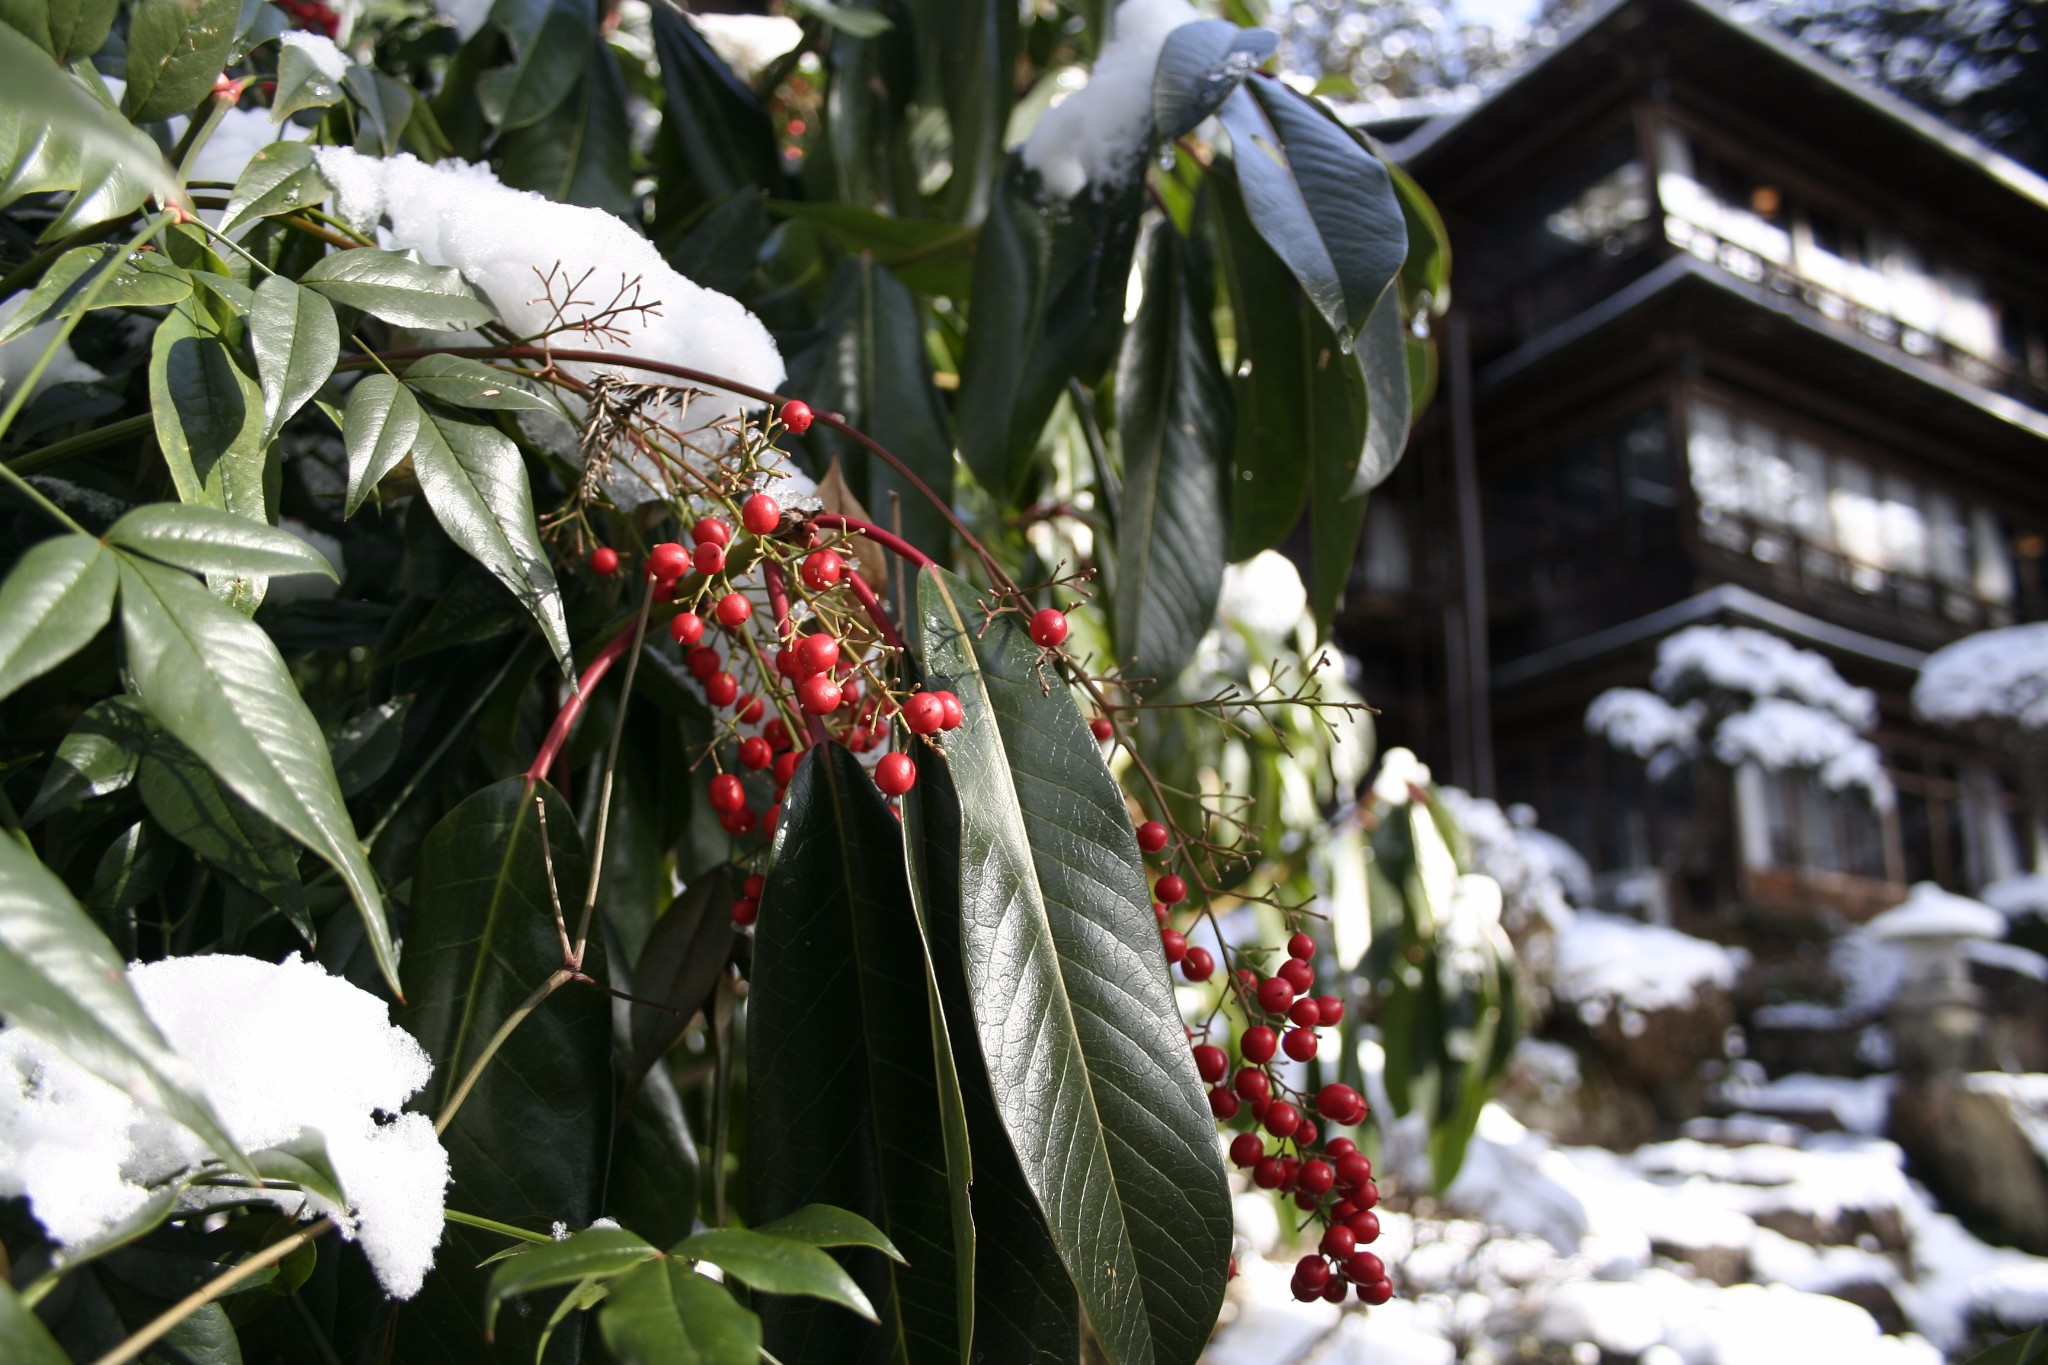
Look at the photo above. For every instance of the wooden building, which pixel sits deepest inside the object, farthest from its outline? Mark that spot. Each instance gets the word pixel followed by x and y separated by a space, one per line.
pixel 1738 339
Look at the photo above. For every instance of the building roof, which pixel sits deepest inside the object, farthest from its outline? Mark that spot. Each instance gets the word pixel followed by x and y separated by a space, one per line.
pixel 1777 80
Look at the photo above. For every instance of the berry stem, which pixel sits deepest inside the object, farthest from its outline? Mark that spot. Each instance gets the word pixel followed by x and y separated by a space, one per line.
pixel 593 674
pixel 886 539
pixel 778 602
pixel 876 611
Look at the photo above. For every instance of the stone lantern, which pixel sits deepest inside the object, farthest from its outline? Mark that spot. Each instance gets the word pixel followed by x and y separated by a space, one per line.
pixel 1934 1015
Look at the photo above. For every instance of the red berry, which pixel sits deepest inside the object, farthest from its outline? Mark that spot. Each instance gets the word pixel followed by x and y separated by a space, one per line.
pixel 822 570
pixel 955 712
pixel 1312 1272
pixel 726 793
pixel 1268 1174
pixel 753 887
pixel 1305 1201
pixel 1258 1043
pixel 605 560
pixel 755 753
pixel 1297 974
pixel 895 774
pixel 1338 1242
pixel 1376 1292
pixel 1330 1010
pixel 1275 995
pixel 1175 943
pixel 750 711
pixel 739 821
pixel 860 739
pixel 1282 1119
pixel 1305 1013
pixel 1364 1225
pixel 667 560
pixel 733 609
pixel 924 713
pixel 1049 627
pixel 1354 1167
pixel 816 653
pixel 686 628
pixel 710 558
pixel 702 662
pixel 1151 836
pixel 1362 1267
pixel 1211 1062
pixel 1301 946
pixel 1367 1196
pixel 773 816
pixel 818 694
pixel 776 732
pixel 785 767
pixel 1158 912
pixel 1340 1102
pixel 1198 965
pixel 1337 1147
pixel 796 415
pixel 1233 1268
pixel 1222 1103
pixel 1299 1044
pixel 1102 729
pixel 711 531
pixel 1316 1176
pixel 1251 1084
pixel 1342 1210
pixel 1333 1292
pixel 745 910
pixel 761 514
pixel 721 689
pixel 1247 1149
pixel 1172 888
pixel 1305 1136
pixel 665 589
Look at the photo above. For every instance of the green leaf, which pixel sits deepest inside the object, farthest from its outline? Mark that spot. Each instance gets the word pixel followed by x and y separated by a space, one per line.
pixel 297 341
pixel 1361 395
pixel 97 757
pixel 528 1147
pixel 472 384
pixel 475 480
pixel 23 1338
pixel 1173 419
pixel 205 1336
pixel 220 827
pixel 146 279
pixel 61 977
pixel 66 29
pixel 385 104
pixel 581 152
pixel 858 23
pixel 132 869
pixel 1426 273
pixel 380 429
pixel 655 1169
pixel 967 50
pixel 399 288
pixel 935 257
pixel 872 368
pixel 679 964
pixel 301 84
pixel 711 122
pixel 821 1225
pixel 1071 998
pixel 217 683
pixel 665 1313
pixel 551 43
pixel 605 1252
pixel 775 1266
pixel 56 134
pixel 176 49
pixel 210 542
pixel 364 746
pixel 304 1161
pixel 1273 385
pixel 52 603
pixel 719 250
pixel 2030 1348
pixel 839 1021
pixel 280 178
pixel 1201 65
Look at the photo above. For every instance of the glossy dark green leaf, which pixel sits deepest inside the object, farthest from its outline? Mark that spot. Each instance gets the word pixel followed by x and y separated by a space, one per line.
pixel 23 1338
pixel 132 869
pixel 61 977
pixel 399 288
pixel 935 257
pixel 280 178
pixel 1201 65
pixel 1085 1051
pixel 1358 410
pixel 301 84
pixel 364 746
pixel 176 48
pixel 859 23
pixel 57 134
pixel 2029 1348
pixel 528 1147
pixel 605 1252
pixel 384 104
pixel 210 542
pixel 719 250
pixel 380 428
pixel 66 29
pixel 96 758
pixel 551 46
pixel 581 151
pixel 665 1313
pixel 839 1022
pixel 689 946
pixel 297 340
pixel 655 1167
pixel 1426 273
pixel 967 50
pixel 873 369
pixel 218 684
pixel 146 279
pixel 304 1161
pixel 775 1266
pixel 52 602
pixel 1270 458
pixel 712 123
pixel 821 1225
pixel 473 384
pixel 182 797
pixel 1173 418
pixel 475 481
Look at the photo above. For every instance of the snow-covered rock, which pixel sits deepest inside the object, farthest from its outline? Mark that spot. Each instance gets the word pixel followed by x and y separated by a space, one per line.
pixel 1996 675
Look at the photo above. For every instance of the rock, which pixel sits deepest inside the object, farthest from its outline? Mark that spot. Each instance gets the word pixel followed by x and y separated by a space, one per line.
pixel 1968 1140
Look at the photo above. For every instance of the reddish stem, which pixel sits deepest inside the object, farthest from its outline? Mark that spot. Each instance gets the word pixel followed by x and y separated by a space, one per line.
pixel 876 611
pixel 558 733
pixel 778 602
pixel 888 540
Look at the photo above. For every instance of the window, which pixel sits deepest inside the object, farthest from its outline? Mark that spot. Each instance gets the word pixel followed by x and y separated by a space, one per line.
pixel 1608 488
pixel 1790 821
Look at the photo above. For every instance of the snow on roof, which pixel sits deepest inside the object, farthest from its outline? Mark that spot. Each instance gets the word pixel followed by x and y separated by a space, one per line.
pixel 1993 675
pixel 1930 912
pixel 279 1049
pixel 2026 894
pixel 1744 659
pixel 1098 135
pixel 1776 733
pixel 1603 959
pixel 1643 723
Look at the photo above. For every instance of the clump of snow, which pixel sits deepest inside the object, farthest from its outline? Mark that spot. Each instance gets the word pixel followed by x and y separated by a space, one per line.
pixel 1859 1106
pixel 1401 775
pixel 1097 136
pixel 748 43
pixel 1643 723
pixel 1930 912
pixel 280 1050
pixel 1540 875
pixel 308 587
pixel 2014 897
pixel 329 60
pixel 1775 734
pixel 2027 1098
pixel 1998 675
pixel 1265 595
pixel 1606 962
pixel 1755 662
pixel 19 356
